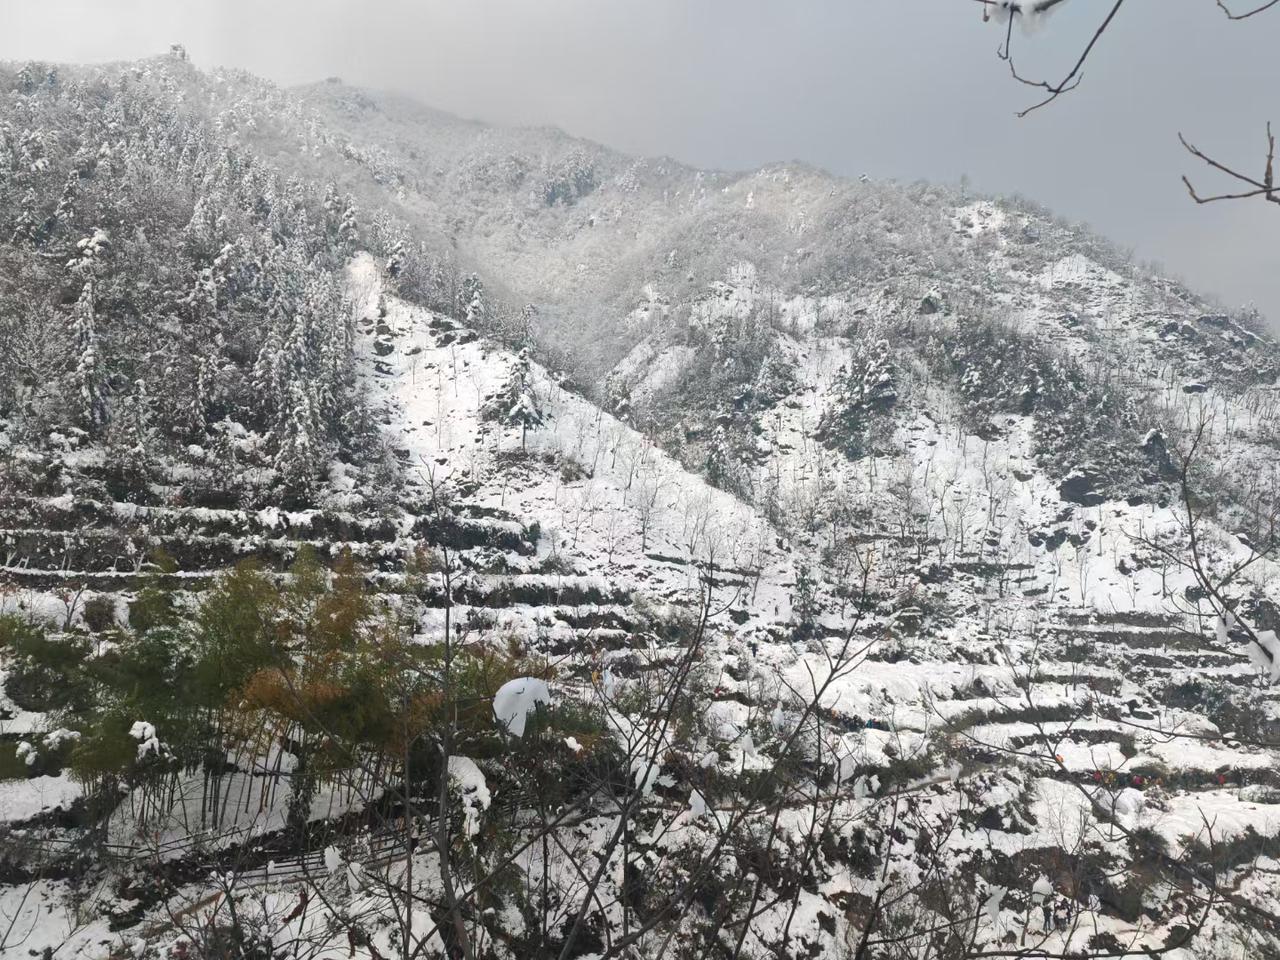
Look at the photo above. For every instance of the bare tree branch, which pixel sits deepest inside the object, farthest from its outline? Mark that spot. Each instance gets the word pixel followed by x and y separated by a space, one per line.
pixel 1245 16
pixel 1074 76
pixel 1265 188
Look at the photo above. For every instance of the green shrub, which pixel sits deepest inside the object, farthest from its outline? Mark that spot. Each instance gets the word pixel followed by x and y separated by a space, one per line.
pixel 12 767
pixel 45 673
pixel 16 632
pixel 104 752
pixel 100 613
pixel 155 605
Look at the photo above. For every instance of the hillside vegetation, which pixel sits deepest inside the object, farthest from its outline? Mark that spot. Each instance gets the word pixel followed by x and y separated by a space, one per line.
pixel 426 539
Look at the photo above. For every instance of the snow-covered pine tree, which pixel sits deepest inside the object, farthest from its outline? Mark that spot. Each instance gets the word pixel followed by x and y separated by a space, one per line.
pixel 525 410
pixel 105 163
pixel 396 260
pixel 268 370
pixel 200 235
pixel 26 225
pixel 29 77
pixel 202 301
pixel 442 284
pixel 525 322
pixel 341 223
pixel 275 208
pixel 202 382
pixel 88 379
pixel 332 205
pixel 335 336
pixel 299 445
pixel 66 208
pixel 299 433
pixel 516 403
pixel 277 289
pixel 382 234
pixel 349 226
pixel 618 397
pixel 88 255
pixel 719 464
pixel 131 435
pixel 7 161
pixel 475 309
pixel 300 229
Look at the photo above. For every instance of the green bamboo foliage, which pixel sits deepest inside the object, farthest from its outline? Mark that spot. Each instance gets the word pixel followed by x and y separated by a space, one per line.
pixel 264 692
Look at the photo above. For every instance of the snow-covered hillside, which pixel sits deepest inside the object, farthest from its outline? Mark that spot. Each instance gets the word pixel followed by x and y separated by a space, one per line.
pixel 610 507
pixel 812 568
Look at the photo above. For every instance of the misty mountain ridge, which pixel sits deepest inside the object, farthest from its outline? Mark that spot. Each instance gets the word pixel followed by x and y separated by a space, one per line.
pixel 880 494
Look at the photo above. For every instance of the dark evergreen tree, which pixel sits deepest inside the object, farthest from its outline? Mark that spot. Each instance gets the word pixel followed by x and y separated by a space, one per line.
pixel 866 391
pixel 88 379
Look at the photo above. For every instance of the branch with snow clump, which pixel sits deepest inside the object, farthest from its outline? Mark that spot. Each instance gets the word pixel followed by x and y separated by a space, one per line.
pixel 516 699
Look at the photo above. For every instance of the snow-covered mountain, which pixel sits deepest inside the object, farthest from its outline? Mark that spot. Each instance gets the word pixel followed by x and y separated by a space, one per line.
pixel 935 531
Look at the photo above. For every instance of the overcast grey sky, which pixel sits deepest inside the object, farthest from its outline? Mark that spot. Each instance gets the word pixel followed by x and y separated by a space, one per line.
pixel 896 88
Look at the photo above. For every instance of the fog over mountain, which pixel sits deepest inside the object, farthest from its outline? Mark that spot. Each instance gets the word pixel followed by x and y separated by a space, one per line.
pixel 902 90
pixel 424 536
